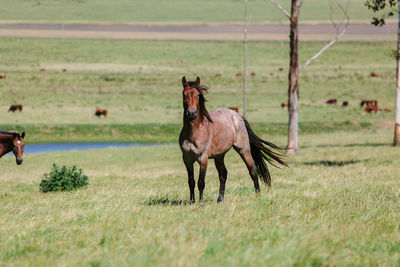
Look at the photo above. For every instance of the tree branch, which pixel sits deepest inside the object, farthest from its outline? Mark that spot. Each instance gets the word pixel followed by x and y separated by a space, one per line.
pixel 280 7
pixel 337 37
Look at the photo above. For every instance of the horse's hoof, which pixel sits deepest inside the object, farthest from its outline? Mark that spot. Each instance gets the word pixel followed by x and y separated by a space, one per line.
pixel 220 199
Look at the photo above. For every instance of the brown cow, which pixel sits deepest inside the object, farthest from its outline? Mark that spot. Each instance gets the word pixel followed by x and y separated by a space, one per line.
pixel 332 101
pixel 100 112
pixel 3 76
pixel 239 74
pixel 235 109
pixel 15 107
pixel 373 74
pixel 284 105
pixel 345 103
pixel 369 109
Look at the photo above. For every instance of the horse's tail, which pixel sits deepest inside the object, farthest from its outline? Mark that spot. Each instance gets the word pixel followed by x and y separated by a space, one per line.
pixel 262 150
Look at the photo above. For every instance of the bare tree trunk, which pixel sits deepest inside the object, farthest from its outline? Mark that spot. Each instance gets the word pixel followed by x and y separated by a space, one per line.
pixel 293 92
pixel 396 141
pixel 245 61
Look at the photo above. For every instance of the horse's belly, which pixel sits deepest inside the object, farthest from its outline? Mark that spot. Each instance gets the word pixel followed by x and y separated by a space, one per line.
pixel 221 145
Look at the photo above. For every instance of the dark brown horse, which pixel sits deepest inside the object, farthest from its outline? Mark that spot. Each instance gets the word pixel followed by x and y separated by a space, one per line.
pixel 11 141
pixel 210 135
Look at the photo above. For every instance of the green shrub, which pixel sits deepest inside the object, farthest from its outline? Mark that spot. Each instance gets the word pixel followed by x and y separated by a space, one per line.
pixel 63 179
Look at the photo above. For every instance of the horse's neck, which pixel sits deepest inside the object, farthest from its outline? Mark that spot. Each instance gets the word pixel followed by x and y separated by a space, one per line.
pixel 191 128
pixel 195 124
pixel 5 145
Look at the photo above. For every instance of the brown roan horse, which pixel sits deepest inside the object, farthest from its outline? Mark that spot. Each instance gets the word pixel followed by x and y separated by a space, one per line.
pixel 11 141
pixel 210 135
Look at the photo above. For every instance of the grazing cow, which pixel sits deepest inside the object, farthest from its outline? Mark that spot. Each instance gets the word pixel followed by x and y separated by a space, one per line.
pixel 42 69
pixel 239 74
pixel 387 110
pixel 284 105
pixel 370 109
pixel 235 109
pixel 3 76
pixel 280 69
pixel 253 74
pixel 332 101
pixel 100 112
pixel 373 74
pixel 15 107
pixel 368 103
pixel 64 70
pixel 345 103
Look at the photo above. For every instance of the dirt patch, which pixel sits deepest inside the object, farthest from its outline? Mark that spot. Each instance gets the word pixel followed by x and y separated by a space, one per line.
pixel 361 32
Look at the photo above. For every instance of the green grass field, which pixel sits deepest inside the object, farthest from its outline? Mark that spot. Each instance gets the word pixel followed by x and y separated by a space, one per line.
pixel 337 204
pixel 139 83
pixel 172 11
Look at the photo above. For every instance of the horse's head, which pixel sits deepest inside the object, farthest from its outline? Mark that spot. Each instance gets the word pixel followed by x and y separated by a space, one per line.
pixel 18 146
pixel 193 99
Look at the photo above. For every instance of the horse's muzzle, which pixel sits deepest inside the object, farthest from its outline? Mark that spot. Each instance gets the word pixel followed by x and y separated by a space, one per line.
pixel 19 161
pixel 192 114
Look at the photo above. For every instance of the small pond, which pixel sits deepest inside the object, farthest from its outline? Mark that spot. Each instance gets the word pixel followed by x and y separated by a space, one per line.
pixel 57 147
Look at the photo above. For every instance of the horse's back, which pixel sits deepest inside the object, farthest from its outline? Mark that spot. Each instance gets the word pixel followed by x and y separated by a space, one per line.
pixel 228 130
pixel 226 118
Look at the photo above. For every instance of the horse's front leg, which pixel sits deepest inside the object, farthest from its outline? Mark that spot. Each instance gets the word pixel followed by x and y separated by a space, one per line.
pixel 191 182
pixel 202 174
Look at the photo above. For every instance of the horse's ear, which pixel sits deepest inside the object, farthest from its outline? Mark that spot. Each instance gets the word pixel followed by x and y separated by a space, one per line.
pixel 198 80
pixel 184 82
pixel 14 134
pixel 23 135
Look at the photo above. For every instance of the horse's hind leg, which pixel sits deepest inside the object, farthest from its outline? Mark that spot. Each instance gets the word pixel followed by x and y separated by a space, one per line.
pixel 222 174
pixel 245 154
pixel 191 182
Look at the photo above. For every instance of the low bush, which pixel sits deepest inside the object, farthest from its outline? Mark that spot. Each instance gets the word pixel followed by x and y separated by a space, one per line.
pixel 63 179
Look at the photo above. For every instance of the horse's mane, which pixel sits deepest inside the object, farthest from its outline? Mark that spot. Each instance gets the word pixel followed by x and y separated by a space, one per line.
pixel 8 133
pixel 201 88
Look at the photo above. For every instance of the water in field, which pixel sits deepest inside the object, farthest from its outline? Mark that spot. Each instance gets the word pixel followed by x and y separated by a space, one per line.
pixel 57 147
